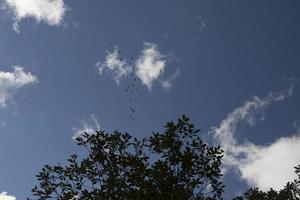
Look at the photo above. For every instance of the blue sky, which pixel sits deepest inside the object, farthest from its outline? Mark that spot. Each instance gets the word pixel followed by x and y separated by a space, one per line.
pixel 231 66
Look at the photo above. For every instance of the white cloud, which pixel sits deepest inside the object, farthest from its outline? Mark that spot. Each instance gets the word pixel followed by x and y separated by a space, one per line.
pixel 12 81
pixel 87 127
pixel 48 11
pixel 264 166
pixel 116 64
pixel 5 196
pixel 271 165
pixel 150 65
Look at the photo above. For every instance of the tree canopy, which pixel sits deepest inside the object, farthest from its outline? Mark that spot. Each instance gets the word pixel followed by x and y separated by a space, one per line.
pixel 174 164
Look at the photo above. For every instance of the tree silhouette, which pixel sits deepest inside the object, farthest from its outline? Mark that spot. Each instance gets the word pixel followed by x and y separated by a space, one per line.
pixel 175 164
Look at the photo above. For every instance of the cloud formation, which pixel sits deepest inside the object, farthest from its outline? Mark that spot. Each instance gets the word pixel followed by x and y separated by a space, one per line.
pixel 113 62
pixel 264 166
pixel 48 11
pixel 272 165
pixel 87 127
pixel 5 196
pixel 148 67
pixel 10 82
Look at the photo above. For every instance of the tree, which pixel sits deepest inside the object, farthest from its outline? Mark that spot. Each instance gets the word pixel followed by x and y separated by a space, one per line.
pixel 291 191
pixel 175 164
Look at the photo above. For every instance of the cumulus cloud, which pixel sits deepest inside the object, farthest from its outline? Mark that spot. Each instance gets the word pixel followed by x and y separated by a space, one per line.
pixel 5 196
pixel 87 127
pixel 48 11
pixel 116 64
pixel 10 82
pixel 271 166
pixel 265 166
pixel 150 65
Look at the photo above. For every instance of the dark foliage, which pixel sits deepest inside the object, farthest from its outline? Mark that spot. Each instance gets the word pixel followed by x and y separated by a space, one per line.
pixel 175 164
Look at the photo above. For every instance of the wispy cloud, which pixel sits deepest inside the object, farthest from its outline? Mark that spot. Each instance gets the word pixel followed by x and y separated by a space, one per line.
pixel 168 83
pixel 148 67
pixel 10 82
pixel 5 196
pixel 113 62
pixel 264 166
pixel 201 24
pixel 48 11
pixel 88 127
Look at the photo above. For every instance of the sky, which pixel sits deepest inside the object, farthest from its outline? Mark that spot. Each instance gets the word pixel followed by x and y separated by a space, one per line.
pixel 73 66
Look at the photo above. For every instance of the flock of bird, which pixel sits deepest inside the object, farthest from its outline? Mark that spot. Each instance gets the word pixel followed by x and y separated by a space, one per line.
pixel 131 88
